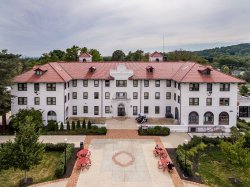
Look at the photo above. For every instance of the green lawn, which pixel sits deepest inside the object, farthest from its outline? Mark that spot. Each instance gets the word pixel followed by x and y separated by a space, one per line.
pixel 215 172
pixel 43 172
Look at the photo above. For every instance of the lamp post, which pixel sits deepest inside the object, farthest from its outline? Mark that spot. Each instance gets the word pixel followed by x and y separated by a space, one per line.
pixel 65 167
pixel 185 146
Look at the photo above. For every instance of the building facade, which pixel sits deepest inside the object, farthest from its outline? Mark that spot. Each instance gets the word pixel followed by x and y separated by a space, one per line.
pixel 194 95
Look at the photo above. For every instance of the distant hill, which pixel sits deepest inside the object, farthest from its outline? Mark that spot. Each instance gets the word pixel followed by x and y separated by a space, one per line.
pixel 237 50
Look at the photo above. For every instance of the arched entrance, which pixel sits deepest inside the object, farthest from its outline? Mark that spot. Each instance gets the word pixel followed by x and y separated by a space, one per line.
pixel 176 114
pixel 51 116
pixel 121 110
pixel 157 60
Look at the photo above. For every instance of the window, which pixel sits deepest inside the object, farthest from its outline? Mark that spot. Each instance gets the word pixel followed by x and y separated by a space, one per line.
pixel 85 83
pixel 194 87
pixel 157 83
pixel 223 118
pixel 224 101
pixel 209 118
pixel 175 96
pixel 74 110
pixel 36 87
pixel 146 83
pixel 38 72
pixel 74 83
pixel 224 87
pixel 209 87
pixel 51 101
pixel 179 99
pixel 37 100
pixel 193 101
pixel 107 109
pixel 74 95
pixel 175 84
pixel 146 95
pixel 135 83
pixel 85 95
pixel 68 84
pixel 157 110
pixel 107 95
pixel 209 101
pixel 85 109
pixel 168 83
pixel 135 95
pixel 22 86
pixel 96 95
pixel 193 118
pixel 157 95
pixel 135 110
pixel 65 99
pixel 51 86
pixel 168 95
pixel 121 95
pixel 96 83
pixel 51 116
pixel 168 109
pixel 65 86
pixel 121 83
pixel 22 100
pixel 68 96
pixel 179 86
pixel 244 111
pixel 96 110
pixel 107 83
pixel 145 109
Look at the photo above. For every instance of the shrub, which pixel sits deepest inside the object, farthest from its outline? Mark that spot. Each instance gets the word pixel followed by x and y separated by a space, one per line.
pixel 68 126
pixel 56 126
pixel 84 124
pixel 155 131
pixel 60 166
pixel 73 125
pixel 78 125
pixel 51 126
pixel 61 126
pixel 89 124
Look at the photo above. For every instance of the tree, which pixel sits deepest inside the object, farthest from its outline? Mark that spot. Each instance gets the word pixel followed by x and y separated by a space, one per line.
pixel 118 55
pixel 78 124
pixel 89 124
pixel 25 152
pixel 61 127
pixel 246 76
pixel 244 90
pixel 181 55
pixel 73 125
pixel 225 69
pixel 19 118
pixel 10 66
pixel 68 126
pixel 235 153
pixel 84 124
pixel 84 50
pixel 72 53
pixel 96 56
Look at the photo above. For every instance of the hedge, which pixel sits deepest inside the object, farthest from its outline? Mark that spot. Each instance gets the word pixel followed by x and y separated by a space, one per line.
pixel 154 131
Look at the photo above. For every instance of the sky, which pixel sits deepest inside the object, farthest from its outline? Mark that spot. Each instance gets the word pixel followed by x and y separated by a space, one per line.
pixel 34 27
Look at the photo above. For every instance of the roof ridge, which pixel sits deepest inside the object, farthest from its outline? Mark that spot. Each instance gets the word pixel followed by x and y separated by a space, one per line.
pixel 188 71
pixel 179 68
pixel 57 70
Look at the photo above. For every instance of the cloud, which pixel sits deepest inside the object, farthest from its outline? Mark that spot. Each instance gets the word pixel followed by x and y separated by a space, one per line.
pixel 34 27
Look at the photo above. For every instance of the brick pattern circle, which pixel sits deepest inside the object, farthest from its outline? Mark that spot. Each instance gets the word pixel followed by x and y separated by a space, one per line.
pixel 126 164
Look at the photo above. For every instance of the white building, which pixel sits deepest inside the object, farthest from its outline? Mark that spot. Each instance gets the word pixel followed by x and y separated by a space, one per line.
pixel 197 96
pixel 85 57
pixel 156 57
pixel 244 107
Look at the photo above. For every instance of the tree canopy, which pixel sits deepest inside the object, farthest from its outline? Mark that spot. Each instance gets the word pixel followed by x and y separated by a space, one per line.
pixel 182 55
pixel 118 55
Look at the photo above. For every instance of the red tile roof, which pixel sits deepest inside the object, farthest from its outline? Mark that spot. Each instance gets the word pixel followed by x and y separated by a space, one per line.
pixel 156 54
pixel 86 55
pixel 178 71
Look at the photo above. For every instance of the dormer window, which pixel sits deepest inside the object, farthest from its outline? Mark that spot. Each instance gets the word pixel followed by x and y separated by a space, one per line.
pixel 150 69
pixel 38 72
pixel 92 69
pixel 205 71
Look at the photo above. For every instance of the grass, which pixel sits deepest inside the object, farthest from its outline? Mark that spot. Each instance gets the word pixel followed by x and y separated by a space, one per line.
pixel 41 173
pixel 215 172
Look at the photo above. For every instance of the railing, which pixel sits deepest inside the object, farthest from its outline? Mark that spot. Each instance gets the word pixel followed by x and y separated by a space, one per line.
pixel 121 98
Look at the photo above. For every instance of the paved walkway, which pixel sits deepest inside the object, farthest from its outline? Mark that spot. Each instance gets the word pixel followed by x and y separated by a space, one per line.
pixel 52 139
pixel 174 139
pixel 121 123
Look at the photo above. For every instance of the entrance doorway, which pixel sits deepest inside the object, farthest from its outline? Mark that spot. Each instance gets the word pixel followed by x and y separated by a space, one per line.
pixel 121 110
